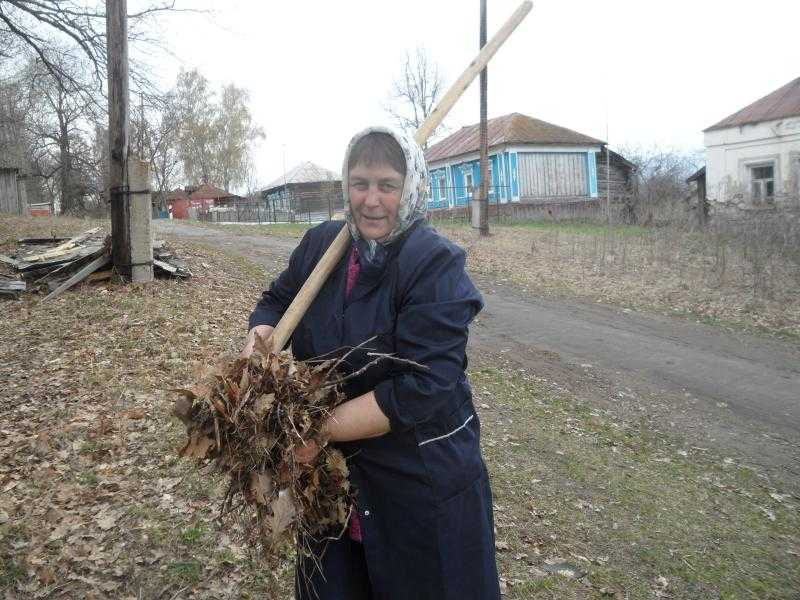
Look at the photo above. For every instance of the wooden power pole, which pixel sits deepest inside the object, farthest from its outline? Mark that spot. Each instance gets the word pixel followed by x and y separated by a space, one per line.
pixel 483 225
pixel 128 181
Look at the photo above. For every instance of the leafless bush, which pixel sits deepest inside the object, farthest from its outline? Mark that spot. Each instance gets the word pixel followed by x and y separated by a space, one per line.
pixel 738 271
pixel 768 243
pixel 661 188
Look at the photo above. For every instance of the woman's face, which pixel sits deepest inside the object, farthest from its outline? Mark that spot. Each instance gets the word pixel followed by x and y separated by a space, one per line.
pixel 375 194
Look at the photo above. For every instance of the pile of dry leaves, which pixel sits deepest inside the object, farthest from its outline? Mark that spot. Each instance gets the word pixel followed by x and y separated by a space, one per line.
pixel 245 418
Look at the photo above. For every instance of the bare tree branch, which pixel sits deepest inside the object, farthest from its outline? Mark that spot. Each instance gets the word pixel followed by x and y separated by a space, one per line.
pixel 45 25
pixel 415 92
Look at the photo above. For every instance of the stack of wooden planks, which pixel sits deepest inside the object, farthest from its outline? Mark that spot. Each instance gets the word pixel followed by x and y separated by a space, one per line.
pixel 56 264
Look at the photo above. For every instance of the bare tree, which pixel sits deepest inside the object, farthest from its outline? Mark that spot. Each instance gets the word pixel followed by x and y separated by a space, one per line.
pixel 56 51
pixel 236 132
pixel 13 139
pixel 215 136
pixel 252 186
pixel 59 121
pixel 45 27
pixel 661 174
pixel 415 91
pixel 196 112
pixel 160 125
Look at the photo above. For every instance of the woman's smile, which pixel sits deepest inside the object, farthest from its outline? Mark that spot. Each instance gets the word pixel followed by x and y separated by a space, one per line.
pixel 375 192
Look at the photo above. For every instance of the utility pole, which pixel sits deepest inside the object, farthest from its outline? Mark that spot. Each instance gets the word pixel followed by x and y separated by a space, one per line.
pixel 128 190
pixel 483 220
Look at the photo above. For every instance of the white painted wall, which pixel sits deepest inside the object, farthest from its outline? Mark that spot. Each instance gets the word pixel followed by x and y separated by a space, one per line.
pixel 732 151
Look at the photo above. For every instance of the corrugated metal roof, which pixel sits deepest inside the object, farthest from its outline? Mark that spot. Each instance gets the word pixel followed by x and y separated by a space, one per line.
pixel 783 102
pixel 515 128
pixel 305 172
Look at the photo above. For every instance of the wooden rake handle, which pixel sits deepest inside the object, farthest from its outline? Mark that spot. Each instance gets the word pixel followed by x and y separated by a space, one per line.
pixel 312 286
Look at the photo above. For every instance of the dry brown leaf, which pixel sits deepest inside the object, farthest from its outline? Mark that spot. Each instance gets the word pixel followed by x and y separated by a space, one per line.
pixel 104 426
pixel 197 446
pixel 261 487
pixel 283 511
pixel 134 414
pixel 263 404
pixel 59 532
pixel 336 463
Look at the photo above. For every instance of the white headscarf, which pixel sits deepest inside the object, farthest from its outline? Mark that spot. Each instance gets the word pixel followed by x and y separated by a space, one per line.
pixel 414 202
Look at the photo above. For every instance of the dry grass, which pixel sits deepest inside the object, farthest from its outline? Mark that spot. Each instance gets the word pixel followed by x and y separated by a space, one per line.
pixel 706 276
pixel 643 513
pixel 95 502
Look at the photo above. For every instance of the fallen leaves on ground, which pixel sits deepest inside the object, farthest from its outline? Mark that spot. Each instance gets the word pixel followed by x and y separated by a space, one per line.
pixel 93 500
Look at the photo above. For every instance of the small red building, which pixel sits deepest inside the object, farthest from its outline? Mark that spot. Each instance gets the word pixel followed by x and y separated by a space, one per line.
pixel 200 198
pixel 40 210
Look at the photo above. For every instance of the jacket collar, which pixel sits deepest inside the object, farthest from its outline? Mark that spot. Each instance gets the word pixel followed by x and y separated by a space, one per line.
pixel 371 275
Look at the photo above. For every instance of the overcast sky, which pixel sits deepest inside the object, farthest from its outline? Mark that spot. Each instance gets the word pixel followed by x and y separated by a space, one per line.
pixel 652 72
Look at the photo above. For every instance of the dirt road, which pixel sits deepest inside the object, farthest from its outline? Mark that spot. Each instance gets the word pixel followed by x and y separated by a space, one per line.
pixel 736 392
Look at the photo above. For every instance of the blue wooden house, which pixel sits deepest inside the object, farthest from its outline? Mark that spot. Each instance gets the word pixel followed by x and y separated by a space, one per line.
pixel 529 161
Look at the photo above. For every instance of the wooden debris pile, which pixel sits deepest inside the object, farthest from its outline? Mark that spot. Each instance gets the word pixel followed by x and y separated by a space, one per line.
pixel 56 264
pixel 246 418
pixel 166 262
pixel 52 262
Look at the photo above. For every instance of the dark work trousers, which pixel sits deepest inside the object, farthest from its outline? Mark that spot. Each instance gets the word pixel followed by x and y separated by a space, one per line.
pixel 341 574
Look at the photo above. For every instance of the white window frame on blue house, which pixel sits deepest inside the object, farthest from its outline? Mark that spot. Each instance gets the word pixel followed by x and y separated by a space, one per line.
pixel 442 188
pixel 469 183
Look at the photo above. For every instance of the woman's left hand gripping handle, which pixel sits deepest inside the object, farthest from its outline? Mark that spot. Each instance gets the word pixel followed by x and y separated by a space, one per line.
pixel 263 331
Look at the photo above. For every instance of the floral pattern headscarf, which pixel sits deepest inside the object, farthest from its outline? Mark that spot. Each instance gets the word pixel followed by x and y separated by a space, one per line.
pixel 414 202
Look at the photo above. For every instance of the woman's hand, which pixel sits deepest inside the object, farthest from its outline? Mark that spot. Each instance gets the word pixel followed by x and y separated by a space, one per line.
pixel 357 419
pixel 264 331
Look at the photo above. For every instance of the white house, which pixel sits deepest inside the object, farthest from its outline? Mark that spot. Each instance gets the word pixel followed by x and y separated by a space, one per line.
pixel 753 156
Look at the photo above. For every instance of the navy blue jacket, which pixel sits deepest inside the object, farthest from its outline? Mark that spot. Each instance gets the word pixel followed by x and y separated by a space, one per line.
pixel 423 493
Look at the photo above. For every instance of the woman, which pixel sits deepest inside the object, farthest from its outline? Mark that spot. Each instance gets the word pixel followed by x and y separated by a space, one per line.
pixel 422 527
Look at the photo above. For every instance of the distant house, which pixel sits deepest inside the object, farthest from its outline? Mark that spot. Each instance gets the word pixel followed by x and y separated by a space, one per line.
pixel 530 161
pixel 753 156
pixel 206 195
pixel 177 203
pixel 305 191
pixel 190 201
